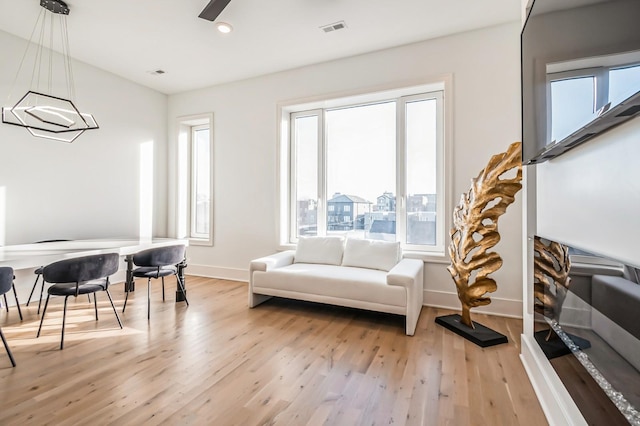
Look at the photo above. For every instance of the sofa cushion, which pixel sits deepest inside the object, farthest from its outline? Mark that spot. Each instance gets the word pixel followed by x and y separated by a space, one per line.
pixel 367 285
pixel 382 255
pixel 324 250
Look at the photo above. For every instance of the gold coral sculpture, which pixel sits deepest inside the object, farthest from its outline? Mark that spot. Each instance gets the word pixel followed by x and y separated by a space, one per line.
pixel 475 229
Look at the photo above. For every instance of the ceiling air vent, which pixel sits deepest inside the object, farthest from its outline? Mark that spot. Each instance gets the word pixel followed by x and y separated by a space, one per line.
pixel 334 27
pixel 156 72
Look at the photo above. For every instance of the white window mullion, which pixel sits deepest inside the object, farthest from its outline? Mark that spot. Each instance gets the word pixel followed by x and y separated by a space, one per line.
pixel 322 173
pixel 293 208
pixel 440 177
pixel 401 172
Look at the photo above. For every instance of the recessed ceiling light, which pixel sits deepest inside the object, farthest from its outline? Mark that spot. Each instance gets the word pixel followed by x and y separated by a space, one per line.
pixel 224 28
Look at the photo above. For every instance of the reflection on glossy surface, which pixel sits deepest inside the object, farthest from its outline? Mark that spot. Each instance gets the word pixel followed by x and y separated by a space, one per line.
pixel 600 307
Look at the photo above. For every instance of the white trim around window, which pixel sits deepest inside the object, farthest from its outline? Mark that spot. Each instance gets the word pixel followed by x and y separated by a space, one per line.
pixel 195 201
pixel 439 89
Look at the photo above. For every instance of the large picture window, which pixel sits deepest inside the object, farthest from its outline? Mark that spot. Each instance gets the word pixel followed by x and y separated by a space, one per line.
pixel 370 169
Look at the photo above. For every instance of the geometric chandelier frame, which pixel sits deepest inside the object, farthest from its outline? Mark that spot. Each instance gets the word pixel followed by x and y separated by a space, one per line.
pixel 43 114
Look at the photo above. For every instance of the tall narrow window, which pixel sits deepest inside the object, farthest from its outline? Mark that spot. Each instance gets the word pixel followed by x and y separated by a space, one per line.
pixel 200 182
pixel 306 134
pixel 370 169
pixel 421 134
pixel 194 181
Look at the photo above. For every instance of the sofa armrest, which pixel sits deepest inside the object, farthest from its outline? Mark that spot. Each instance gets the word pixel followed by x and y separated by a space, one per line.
pixel 408 273
pixel 273 261
pixel 405 273
pixel 265 264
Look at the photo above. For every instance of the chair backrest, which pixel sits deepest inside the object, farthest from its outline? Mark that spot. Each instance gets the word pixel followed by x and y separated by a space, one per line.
pixel 6 279
pixel 160 256
pixel 85 268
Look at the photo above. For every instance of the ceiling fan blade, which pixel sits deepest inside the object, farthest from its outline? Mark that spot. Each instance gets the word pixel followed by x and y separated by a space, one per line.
pixel 213 9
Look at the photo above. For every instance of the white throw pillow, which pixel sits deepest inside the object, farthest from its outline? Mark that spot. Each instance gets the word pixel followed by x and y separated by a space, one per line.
pixel 324 250
pixel 370 254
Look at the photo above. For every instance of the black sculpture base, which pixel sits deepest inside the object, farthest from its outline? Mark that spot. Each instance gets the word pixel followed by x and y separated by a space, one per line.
pixel 480 335
pixel 555 347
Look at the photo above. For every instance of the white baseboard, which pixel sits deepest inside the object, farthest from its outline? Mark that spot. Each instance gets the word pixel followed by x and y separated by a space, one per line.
pixel 557 404
pixel 501 307
pixel 231 274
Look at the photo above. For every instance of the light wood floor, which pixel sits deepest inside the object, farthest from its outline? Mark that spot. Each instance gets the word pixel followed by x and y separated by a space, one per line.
pixel 284 362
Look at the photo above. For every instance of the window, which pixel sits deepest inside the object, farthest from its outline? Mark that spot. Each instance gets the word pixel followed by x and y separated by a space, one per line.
pixel 378 155
pixel 195 179
pixel 200 181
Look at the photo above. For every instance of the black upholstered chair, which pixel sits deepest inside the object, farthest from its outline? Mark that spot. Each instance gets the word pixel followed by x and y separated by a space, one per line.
pixel 38 273
pixel 158 263
pixel 80 275
pixel 6 283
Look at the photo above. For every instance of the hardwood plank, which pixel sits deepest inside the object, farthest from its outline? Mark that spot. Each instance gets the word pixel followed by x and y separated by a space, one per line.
pixel 284 363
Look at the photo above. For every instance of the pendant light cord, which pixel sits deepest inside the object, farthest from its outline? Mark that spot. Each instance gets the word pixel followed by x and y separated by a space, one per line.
pixel 37 71
pixel 24 56
pixel 66 54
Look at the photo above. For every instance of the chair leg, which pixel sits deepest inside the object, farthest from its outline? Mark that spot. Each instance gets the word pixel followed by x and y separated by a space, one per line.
pixel 163 289
pixel 64 318
pixel 184 291
pixel 43 313
pixel 126 297
pixel 6 304
pixel 149 299
pixel 95 304
pixel 113 306
pixel 41 294
pixel 35 284
pixel 6 346
pixel 15 294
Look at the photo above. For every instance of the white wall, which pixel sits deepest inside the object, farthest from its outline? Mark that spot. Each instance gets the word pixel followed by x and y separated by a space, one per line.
pixel 89 188
pixel 486 119
pixel 590 197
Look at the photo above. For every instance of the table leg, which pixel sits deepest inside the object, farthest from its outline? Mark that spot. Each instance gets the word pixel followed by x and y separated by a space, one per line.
pixel 180 296
pixel 129 284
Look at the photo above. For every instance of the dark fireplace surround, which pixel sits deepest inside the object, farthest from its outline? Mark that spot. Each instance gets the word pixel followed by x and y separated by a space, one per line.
pixel 587 323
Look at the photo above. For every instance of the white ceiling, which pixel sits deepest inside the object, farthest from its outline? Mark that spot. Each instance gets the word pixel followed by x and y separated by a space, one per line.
pixel 132 37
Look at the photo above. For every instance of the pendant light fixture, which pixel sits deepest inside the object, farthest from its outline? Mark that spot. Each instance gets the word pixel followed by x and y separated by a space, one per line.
pixel 40 111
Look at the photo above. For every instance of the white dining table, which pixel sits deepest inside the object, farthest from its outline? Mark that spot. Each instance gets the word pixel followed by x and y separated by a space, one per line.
pixel 28 256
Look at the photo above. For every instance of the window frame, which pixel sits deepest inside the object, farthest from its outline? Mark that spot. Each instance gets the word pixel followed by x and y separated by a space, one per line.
pixel 193 234
pixel 287 231
pixel 185 211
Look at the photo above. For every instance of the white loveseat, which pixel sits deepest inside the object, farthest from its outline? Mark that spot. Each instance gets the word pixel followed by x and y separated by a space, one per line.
pixel 361 274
